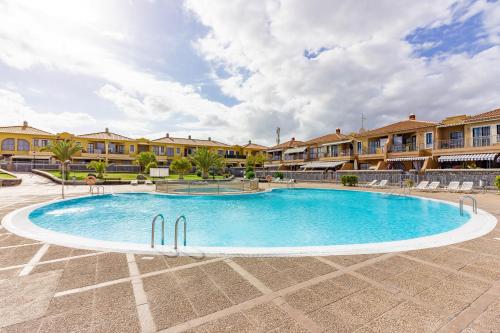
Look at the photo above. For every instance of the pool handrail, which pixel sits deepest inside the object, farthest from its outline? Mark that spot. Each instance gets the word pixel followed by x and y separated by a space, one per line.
pixel 162 230
pixel 176 230
pixel 474 204
pixel 98 187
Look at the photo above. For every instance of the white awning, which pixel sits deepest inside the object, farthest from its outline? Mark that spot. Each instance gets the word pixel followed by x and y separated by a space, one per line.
pixel 322 165
pixel 403 159
pixel 269 165
pixel 467 157
pixel 295 150
pixel 336 143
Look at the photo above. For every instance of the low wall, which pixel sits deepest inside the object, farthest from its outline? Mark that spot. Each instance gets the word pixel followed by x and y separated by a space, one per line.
pixel 28 167
pixel 395 177
pixel 309 176
pixel 10 181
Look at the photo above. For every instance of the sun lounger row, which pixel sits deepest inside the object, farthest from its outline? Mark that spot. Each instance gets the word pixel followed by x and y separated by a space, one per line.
pixel 136 182
pixel 466 187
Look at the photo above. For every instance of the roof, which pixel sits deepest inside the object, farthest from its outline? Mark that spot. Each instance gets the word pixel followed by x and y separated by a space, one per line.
pixel 287 144
pixel 105 136
pixel 333 137
pixel 400 126
pixel 192 142
pixel 24 130
pixel 254 146
pixel 494 114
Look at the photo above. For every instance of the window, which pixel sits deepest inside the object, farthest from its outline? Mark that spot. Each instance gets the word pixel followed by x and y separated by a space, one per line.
pixel 23 145
pixel 35 142
pixel 100 148
pixel 8 144
pixel 90 148
pixel 132 148
pixel 428 139
pixel 360 147
pixel 178 151
pixel 120 149
pixel 498 133
pixel 481 136
pixel 170 151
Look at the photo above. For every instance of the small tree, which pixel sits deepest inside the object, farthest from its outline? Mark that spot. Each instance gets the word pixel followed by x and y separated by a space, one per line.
pixel 63 150
pixel 204 159
pixel 99 167
pixel 254 161
pixel 181 167
pixel 144 159
pixel 497 183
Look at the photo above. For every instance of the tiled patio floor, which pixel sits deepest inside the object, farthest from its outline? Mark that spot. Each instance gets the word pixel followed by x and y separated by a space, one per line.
pixel 449 289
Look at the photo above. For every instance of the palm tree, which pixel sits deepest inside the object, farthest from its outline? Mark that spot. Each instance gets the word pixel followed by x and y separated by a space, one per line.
pixel 181 167
pixel 256 160
pixel 98 166
pixel 63 151
pixel 204 159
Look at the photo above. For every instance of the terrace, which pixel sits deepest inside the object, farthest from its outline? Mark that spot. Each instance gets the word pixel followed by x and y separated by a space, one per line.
pixel 447 289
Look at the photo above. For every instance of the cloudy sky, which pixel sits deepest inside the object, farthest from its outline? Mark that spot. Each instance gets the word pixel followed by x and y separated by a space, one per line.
pixel 235 70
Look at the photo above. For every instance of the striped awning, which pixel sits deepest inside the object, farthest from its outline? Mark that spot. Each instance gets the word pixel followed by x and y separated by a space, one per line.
pixel 467 157
pixel 403 159
pixel 322 165
pixel 336 143
pixel 295 150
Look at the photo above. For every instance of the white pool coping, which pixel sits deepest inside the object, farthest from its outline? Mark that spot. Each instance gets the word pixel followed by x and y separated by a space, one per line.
pixel 478 225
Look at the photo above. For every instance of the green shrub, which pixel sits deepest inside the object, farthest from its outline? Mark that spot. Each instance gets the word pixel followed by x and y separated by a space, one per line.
pixel 497 182
pixel 409 183
pixel 198 173
pixel 250 175
pixel 349 180
pixel 278 175
pixel 141 177
pixel 249 168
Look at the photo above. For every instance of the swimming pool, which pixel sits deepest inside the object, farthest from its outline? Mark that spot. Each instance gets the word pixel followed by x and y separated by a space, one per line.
pixel 282 221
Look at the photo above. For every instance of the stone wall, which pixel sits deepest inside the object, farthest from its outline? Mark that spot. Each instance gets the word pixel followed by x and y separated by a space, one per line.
pixel 445 176
pixel 395 177
pixel 10 181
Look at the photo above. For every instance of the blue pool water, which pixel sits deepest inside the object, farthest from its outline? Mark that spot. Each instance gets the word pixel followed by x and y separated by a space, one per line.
pixel 285 217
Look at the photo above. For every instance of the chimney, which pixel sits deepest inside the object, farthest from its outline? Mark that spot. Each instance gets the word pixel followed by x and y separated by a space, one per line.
pixel 25 124
pixel 106 130
pixel 337 131
pixel 189 137
pixel 209 139
pixel 293 139
pixel 412 116
pixel 249 141
pixel 168 135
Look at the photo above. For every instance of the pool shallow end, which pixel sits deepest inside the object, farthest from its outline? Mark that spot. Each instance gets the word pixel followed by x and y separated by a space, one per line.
pixel 478 225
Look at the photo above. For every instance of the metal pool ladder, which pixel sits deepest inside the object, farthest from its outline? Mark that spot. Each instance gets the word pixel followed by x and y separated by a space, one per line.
pixel 100 189
pixel 474 204
pixel 162 230
pixel 183 218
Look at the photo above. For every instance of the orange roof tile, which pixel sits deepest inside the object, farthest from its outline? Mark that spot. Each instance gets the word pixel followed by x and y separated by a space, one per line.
pixel 288 144
pixel 105 136
pixel 332 137
pixel 401 126
pixel 494 114
pixel 192 142
pixel 254 146
pixel 24 130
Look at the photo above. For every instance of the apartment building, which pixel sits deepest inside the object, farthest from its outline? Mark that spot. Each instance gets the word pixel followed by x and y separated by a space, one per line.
pixel 25 144
pixel 455 142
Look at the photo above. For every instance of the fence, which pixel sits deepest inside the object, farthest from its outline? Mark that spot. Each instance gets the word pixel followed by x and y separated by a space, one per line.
pixel 27 167
pixel 207 187
pixel 314 176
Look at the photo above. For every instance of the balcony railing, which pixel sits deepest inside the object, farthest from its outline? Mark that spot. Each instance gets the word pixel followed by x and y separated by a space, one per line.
pixel 338 153
pixel 235 156
pixel 372 151
pixel 402 148
pixel 293 157
pixel 481 141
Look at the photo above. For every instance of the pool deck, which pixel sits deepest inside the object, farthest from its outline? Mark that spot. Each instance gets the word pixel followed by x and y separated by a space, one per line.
pixel 49 288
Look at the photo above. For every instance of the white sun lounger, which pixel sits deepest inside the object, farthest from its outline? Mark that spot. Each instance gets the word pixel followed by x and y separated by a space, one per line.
pixel 382 184
pixel 422 186
pixel 372 183
pixel 148 182
pixel 433 187
pixel 466 187
pixel 453 187
pixel 134 182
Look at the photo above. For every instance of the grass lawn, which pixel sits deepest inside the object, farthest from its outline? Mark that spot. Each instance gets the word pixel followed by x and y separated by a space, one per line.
pixel 5 176
pixel 80 175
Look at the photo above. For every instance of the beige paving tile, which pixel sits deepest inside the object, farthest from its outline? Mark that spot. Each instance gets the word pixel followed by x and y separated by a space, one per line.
pixel 24 327
pixel 209 302
pixel 336 319
pixel 164 282
pixel 169 309
pixel 70 321
pixel 407 317
pixel 240 292
pixel 56 252
pixel 71 302
pixel 149 263
pixel 235 322
pixel 266 316
pixel 48 267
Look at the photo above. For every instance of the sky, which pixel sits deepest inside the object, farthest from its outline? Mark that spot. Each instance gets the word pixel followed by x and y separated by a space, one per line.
pixel 235 70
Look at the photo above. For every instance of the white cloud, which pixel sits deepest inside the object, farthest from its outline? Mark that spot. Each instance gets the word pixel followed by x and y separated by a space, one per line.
pixel 14 111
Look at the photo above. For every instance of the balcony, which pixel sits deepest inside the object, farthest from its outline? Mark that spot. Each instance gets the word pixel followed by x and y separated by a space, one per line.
pixel 235 156
pixel 449 144
pixel 337 153
pixel 403 148
pixel 373 151
pixel 477 142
